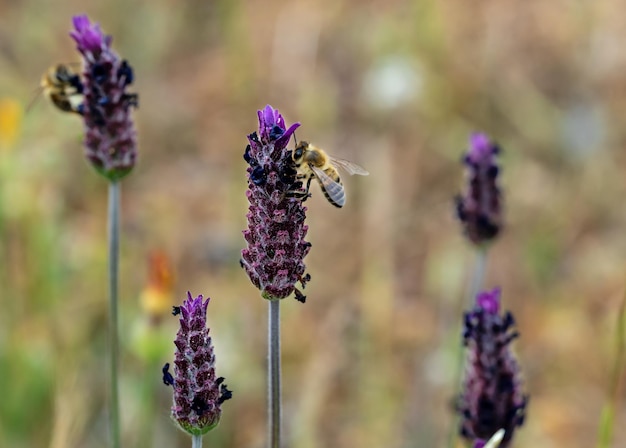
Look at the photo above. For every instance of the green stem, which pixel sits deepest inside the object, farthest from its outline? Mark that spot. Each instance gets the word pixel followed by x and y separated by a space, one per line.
pixel 475 285
pixel 273 383
pixel 478 277
pixel 607 418
pixel 114 237
pixel 196 441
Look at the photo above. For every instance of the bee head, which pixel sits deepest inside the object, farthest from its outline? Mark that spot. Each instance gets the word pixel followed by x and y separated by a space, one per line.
pixel 62 73
pixel 299 151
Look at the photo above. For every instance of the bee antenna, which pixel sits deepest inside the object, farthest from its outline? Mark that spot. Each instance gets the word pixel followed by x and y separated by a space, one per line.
pixel 35 95
pixel 295 140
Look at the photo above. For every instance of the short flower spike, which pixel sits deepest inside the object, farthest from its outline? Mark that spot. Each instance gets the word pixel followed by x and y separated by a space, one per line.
pixel 492 397
pixel 198 392
pixel 110 137
pixel 480 208
pixel 274 256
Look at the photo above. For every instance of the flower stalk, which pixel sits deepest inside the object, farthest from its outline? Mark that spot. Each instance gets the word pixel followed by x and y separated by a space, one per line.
pixel 113 218
pixel 111 147
pixel 274 404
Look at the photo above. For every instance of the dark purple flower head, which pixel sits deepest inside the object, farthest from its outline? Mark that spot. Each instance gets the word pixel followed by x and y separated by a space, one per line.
pixel 492 398
pixel 480 208
pixel 110 138
pixel 274 257
pixel 198 392
pixel 479 443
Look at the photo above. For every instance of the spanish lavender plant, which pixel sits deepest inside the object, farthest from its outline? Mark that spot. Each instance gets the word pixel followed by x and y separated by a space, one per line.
pixel 274 256
pixel 198 392
pixel 480 208
pixel 111 147
pixel 492 398
pixel 276 247
pixel 110 137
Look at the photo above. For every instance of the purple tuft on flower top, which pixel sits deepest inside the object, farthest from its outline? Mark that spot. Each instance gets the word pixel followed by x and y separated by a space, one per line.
pixel 110 138
pixel 274 257
pixel 492 398
pixel 480 208
pixel 198 393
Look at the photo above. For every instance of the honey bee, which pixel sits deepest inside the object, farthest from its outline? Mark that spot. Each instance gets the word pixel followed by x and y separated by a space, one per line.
pixel 312 162
pixel 64 88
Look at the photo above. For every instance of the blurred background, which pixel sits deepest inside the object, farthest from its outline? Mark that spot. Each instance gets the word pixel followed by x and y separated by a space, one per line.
pixel 395 86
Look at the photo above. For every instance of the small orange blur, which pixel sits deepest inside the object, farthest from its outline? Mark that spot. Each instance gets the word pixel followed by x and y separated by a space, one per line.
pixel 11 114
pixel 157 297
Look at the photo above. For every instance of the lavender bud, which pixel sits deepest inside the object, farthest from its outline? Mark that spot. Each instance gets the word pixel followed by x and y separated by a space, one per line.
pixel 492 397
pixel 110 138
pixel 198 393
pixel 480 208
pixel 274 256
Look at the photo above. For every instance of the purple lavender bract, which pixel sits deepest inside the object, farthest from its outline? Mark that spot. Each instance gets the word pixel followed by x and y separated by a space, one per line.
pixel 274 258
pixel 492 398
pixel 480 208
pixel 110 138
pixel 198 393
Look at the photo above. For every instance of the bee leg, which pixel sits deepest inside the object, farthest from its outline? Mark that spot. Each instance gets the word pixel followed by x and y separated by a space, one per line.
pixel 303 195
pixel 304 279
pixel 299 192
pixel 132 99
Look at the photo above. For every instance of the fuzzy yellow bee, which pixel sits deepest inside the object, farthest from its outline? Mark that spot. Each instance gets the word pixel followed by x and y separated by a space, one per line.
pixel 64 88
pixel 312 162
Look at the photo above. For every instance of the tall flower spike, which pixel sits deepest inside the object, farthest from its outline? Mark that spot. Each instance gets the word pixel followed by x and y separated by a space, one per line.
pixel 492 398
pixel 110 138
pixel 480 208
pixel 198 393
pixel 274 257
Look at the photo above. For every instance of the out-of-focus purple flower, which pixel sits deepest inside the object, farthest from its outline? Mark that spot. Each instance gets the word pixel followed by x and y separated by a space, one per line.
pixel 198 393
pixel 274 257
pixel 479 443
pixel 480 208
pixel 110 138
pixel 492 398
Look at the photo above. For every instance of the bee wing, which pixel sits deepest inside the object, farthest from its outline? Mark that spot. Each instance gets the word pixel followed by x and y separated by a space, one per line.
pixel 333 189
pixel 349 167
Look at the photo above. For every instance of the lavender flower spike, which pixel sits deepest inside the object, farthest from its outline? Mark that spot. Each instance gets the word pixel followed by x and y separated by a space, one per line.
pixel 479 210
pixel 492 398
pixel 276 247
pixel 110 138
pixel 198 393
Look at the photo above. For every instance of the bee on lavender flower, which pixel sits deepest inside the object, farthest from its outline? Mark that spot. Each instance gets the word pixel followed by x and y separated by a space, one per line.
pixel 312 162
pixel 62 85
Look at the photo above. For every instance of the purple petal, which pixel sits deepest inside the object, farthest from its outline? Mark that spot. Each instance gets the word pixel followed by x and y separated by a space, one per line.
pixel 284 139
pixel 489 301
pixel 480 146
pixel 88 36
